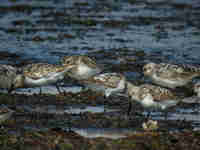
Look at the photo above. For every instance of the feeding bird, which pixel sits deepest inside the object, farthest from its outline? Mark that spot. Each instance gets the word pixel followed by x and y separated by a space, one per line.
pixel 170 75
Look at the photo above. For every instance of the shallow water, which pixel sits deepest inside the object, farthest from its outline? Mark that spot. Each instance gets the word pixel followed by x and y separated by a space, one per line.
pixel 121 34
pixel 44 31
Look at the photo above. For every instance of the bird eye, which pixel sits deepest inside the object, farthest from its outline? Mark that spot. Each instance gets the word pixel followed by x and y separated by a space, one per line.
pixel 197 86
pixel 67 62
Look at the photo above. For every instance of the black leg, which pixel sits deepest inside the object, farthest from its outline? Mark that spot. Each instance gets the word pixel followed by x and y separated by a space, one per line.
pixel 11 89
pixel 58 88
pixel 165 114
pixel 148 115
pixel 104 102
pixel 129 108
pixel 40 91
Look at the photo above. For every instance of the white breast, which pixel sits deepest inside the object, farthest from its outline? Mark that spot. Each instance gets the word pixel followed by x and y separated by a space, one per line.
pixel 44 81
pixel 148 101
pixel 167 82
pixel 83 69
pixel 121 84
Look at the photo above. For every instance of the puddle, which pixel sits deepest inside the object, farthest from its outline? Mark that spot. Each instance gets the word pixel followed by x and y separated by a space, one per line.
pixel 53 109
pixel 186 117
pixel 91 109
pixel 179 116
pixel 105 133
pixel 48 90
pixel 187 113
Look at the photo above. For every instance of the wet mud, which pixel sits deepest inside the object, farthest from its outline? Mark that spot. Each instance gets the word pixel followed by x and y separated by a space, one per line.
pixel 122 36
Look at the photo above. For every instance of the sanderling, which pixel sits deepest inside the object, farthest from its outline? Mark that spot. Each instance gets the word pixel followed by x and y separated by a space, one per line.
pixel 197 88
pixel 85 67
pixel 5 113
pixel 170 75
pixel 42 74
pixel 107 83
pixel 151 96
pixel 10 77
pixel 150 125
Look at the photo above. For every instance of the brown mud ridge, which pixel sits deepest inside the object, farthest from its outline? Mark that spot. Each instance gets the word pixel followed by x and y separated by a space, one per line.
pixel 57 139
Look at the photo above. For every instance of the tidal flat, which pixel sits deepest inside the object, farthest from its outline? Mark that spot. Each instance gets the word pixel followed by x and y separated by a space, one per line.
pixel 121 35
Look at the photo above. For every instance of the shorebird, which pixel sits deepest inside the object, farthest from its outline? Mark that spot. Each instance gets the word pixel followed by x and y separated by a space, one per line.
pixel 85 67
pixel 42 74
pixel 170 75
pixel 10 78
pixel 5 113
pixel 106 83
pixel 151 96
pixel 197 88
